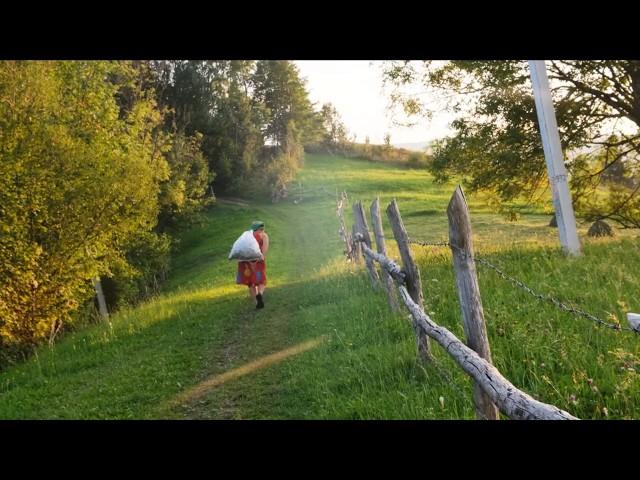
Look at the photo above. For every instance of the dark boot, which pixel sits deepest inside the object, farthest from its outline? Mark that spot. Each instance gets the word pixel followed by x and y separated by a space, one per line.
pixel 260 303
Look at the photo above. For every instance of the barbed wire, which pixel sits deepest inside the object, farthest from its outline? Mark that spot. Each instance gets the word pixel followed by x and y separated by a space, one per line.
pixel 429 244
pixel 551 299
pixel 540 296
pixel 518 283
pixel 416 242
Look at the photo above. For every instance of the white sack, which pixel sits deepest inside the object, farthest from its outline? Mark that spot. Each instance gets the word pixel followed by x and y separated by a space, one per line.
pixel 246 248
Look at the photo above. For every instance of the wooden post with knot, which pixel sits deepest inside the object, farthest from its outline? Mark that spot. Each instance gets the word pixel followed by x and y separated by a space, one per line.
pixel 387 281
pixel 361 226
pixel 414 283
pixel 475 329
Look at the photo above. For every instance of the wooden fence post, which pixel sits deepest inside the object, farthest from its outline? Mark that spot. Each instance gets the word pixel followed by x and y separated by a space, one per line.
pixel 376 221
pixel 414 283
pixel 360 221
pixel 102 304
pixel 356 250
pixel 469 294
pixel 346 236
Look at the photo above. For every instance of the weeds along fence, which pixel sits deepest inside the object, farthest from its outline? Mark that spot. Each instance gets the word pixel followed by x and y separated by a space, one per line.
pixel 492 392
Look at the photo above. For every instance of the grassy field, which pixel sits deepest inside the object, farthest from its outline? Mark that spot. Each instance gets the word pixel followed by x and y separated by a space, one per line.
pixel 326 346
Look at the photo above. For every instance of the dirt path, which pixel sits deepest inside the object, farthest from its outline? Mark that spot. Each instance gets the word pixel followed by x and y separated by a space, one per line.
pixel 241 373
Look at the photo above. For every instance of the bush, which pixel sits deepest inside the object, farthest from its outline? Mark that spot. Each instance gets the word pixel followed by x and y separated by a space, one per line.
pixel 79 178
pixel 416 160
pixel 145 267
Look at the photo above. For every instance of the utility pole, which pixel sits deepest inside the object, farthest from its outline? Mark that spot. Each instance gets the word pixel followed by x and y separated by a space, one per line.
pixel 553 156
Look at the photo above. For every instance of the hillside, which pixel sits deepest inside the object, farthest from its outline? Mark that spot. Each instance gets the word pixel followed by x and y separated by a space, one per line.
pixel 326 346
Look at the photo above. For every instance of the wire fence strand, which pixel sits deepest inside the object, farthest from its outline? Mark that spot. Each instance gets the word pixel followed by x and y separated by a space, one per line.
pixel 521 285
pixel 518 283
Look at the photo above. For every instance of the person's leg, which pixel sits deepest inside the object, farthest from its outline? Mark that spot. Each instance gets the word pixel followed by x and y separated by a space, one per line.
pixel 260 283
pixel 260 290
pixel 253 290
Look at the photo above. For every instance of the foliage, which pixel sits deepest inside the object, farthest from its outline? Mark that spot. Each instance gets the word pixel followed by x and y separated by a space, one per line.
pixel 496 144
pixel 79 181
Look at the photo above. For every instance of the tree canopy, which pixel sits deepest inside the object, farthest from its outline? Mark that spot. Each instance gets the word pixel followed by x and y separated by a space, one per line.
pixel 496 144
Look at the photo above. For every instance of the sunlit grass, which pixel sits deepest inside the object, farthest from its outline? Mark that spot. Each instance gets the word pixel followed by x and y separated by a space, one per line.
pixel 203 335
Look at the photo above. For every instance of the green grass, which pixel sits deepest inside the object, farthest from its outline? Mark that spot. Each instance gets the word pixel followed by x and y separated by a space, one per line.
pixel 203 327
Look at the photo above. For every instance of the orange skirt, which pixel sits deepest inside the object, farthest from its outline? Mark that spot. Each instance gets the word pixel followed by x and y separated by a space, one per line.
pixel 252 273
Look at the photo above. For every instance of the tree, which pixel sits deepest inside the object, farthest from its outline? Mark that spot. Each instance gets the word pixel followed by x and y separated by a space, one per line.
pixel 496 146
pixel 237 107
pixel 80 179
pixel 289 121
pixel 278 86
pixel 335 132
pixel 184 192
pixel 214 99
pixel 367 146
pixel 237 121
pixel 387 142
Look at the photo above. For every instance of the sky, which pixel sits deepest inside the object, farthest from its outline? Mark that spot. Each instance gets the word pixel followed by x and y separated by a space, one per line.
pixel 355 88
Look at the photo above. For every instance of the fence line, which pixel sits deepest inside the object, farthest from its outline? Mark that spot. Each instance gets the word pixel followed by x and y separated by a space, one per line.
pixel 492 392
pixel 510 400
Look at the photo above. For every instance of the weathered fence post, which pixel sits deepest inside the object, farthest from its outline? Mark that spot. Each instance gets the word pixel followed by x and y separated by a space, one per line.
pixel 469 294
pixel 414 283
pixel 346 237
pixel 360 221
pixel 356 250
pixel 102 304
pixel 376 222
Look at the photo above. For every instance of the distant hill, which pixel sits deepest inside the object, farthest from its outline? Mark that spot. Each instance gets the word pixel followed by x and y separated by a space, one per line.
pixel 414 146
